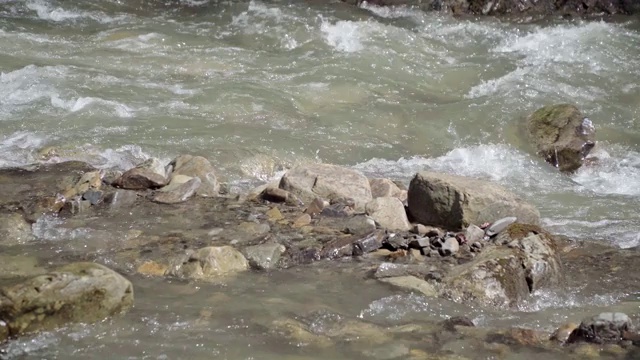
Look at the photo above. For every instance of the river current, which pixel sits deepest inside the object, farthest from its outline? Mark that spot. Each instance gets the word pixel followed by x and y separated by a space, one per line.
pixel 259 86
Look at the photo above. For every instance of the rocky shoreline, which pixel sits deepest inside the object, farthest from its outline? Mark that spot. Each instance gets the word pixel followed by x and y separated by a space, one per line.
pixel 466 240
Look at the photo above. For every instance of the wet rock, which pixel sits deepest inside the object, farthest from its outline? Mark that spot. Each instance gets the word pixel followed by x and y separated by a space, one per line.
pixel 298 333
pixel 121 199
pixel 368 244
pixel 498 226
pixel 605 328
pixel 328 182
pixel 274 214
pixel 454 202
pixel 412 283
pixel 495 277
pixel 451 323
pixel 48 205
pixel 396 241
pixel 14 229
pixel 387 269
pixel 152 268
pixel 388 352
pixel 75 206
pixel 180 189
pixel 516 336
pixel 274 194
pixel 420 243
pixel 208 263
pixel 316 207
pixel 302 220
pixel 359 225
pixel 264 256
pixel 538 251
pixel 389 213
pixel 474 233
pixel 561 334
pixel 449 247
pixel 385 188
pixel 79 292
pixel 253 229
pixel 197 167
pixel 561 135
pixel 93 196
pixel 147 175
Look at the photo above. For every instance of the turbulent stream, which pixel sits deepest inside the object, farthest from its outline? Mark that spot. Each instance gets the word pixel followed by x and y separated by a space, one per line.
pixel 259 86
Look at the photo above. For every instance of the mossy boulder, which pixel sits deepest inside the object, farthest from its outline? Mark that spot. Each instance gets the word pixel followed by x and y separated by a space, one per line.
pixel 561 135
pixel 78 292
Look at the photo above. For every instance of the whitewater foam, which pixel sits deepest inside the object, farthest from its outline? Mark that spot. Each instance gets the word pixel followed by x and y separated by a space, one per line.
pixel 121 110
pixel 45 11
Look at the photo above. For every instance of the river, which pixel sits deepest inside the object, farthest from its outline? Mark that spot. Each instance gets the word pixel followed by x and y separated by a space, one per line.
pixel 259 86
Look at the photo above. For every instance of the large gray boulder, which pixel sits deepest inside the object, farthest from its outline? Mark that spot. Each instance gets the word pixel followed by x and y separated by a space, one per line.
pixel 78 292
pixel 389 213
pixel 454 202
pixel 561 135
pixel 331 182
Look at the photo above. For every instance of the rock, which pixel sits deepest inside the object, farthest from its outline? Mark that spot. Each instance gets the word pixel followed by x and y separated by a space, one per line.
pixel 385 188
pixel 495 277
pixel 208 263
pixel 474 233
pixel 75 206
pixel 197 167
pixel 152 268
pixel 561 334
pixel 387 352
pixel 327 181
pixel 499 225
pixel 516 337
pixel 302 220
pixel 420 243
pixel 147 175
pixel 93 196
pixel 264 256
pixel 449 247
pixel 316 207
pixel 253 229
pixel 412 283
pixel 368 244
pixel 359 225
pixel 538 251
pixel 389 213
pixel 387 269
pixel 561 135
pixel 451 323
pixel 14 229
pixel 296 333
pixel 177 191
pixel 606 328
pixel 274 214
pixel 428 231
pixel 275 194
pixel 79 292
pixel 12 266
pixel 454 202
pixel 121 199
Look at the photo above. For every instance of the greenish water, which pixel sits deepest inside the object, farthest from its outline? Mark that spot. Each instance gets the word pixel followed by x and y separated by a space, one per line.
pixel 259 86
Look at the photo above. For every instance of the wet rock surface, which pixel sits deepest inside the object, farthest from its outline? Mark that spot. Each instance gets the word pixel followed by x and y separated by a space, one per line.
pixel 562 135
pixel 79 292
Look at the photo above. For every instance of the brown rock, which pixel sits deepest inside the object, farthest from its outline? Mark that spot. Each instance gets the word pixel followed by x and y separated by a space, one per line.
pixel 140 179
pixel 152 268
pixel 302 220
pixel 197 167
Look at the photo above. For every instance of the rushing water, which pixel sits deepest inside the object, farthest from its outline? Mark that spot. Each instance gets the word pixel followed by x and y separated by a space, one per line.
pixel 259 86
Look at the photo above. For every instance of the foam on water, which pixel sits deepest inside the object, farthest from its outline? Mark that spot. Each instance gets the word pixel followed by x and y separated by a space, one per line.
pixel 345 36
pixel 46 11
pixel 121 110
pixel 394 12
pixel 617 171
pixel 17 149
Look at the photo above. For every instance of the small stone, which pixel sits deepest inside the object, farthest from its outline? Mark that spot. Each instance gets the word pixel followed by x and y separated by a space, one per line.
pixel 315 207
pixel 384 187
pixel 197 167
pixel 121 199
pixel 274 214
pixel 274 194
pixel 368 244
pixel 417 254
pixel 474 233
pixel 14 229
pixel 449 247
pixel 605 328
pixel 264 256
pixel 389 212
pixel 254 229
pixel 451 323
pixel 148 175
pixel 215 232
pixel 208 263
pixel 563 331
pixel 360 225
pixel 303 220
pixel 436 242
pixel 499 225
pixel 428 231
pixel 396 241
pixel 152 268
pixel 93 196
pixel 420 243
